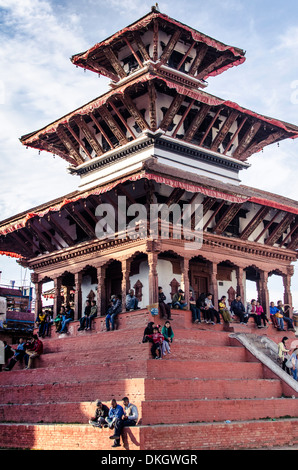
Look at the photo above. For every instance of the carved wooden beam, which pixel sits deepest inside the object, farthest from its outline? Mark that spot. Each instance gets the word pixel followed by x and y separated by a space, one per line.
pixel 44 229
pixel 254 148
pixel 254 223
pixel 30 239
pixel 294 242
pixel 110 55
pixel 90 136
pixel 41 237
pixel 155 40
pixel 60 230
pixel 81 221
pixel 224 130
pixel 79 141
pixel 280 229
pixel 152 106
pixel 99 127
pixel 128 102
pixel 186 55
pixel 202 51
pixel 69 145
pixel 215 65
pixel 235 135
pixel 44 145
pixel 175 196
pixel 196 123
pixel 210 125
pixel 290 234
pixel 246 140
pixel 268 225
pixel 172 111
pixel 214 214
pixel 116 111
pixel 133 52
pixel 185 114
pixel 102 70
pixel 27 250
pixel 107 116
pixel 170 47
pixel 141 46
pixel 227 217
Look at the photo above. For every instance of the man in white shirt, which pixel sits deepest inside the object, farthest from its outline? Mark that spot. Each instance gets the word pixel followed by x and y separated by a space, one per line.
pixel 129 418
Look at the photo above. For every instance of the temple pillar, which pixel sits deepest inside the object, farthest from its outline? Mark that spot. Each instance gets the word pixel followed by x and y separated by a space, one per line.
pixel 213 284
pixel 240 283
pixel 153 277
pixel 287 278
pixel 57 295
pixel 263 292
pixel 38 299
pixel 78 296
pixel 125 284
pixel 185 278
pixel 101 291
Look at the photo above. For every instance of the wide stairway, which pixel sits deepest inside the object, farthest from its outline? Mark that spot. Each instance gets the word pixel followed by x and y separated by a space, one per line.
pixel 209 393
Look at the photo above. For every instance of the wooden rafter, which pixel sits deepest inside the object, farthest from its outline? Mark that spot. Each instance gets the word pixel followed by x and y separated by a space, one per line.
pixel 25 248
pixel 246 140
pixel 227 217
pixel 201 52
pixel 69 145
pixel 196 123
pixel 254 148
pixel 99 127
pixel 152 106
pixel 280 229
pixel 224 130
pixel 204 72
pixel 186 55
pixel 185 114
pixel 102 70
pixel 116 111
pixel 254 223
pixel 268 225
pixel 155 40
pixel 53 237
pixel 79 141
pixel 140 63
pixel 235 135
pixel 140 45
pixel 80 221
pixel 111 56
pixel 89 135
pixel 44 145
pixel 215 117
pixel 175 196
pixel 214 214
pixel 30 239
pixel 290 234
pixel 60 230
pixel 170 47
pixel 114 127
pixel 172 111
pixel 128 102
pixel 37 230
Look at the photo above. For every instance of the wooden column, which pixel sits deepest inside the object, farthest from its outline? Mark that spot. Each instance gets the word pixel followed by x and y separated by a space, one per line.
pixel 185 278
pixel 101 291
pixel 240 286
pixel 213 284
pixel 153 277
pixel 287 278
pixel 263 291
pixel 125 285
pixel 78 296
pixel 38 299
pixel 57 296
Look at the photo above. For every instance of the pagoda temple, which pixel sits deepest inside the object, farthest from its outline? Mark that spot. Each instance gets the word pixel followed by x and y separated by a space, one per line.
pixel 157 137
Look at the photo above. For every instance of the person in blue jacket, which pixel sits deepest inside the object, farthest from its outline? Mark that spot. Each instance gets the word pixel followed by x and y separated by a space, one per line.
pixel 115 412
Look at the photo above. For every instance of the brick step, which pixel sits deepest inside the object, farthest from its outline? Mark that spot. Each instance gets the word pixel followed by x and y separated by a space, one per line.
pixel 157 411
pixel 198 436
pixel 183 350
pixel 92 339
pixel 183 411
pixel 177 369
pixel 136 389
pixel 211 389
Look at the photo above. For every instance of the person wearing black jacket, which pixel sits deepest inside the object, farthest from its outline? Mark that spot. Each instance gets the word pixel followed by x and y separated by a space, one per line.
pixel 165 310
pixel 101 412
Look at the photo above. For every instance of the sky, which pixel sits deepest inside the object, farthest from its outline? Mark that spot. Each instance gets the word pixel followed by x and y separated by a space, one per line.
pixel 38 84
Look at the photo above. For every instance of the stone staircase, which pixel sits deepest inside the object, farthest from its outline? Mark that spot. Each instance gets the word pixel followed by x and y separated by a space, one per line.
pixel 209 393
